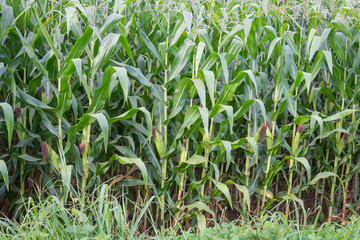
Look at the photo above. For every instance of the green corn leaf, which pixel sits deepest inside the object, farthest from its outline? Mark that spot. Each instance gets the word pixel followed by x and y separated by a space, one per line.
pixel 243 109
pixel 88 119
pixel 150 45
pixel 272 46
pixel 110 22
pixel 77 50
pixel 201 220
pixel 4 173
pixel 196 160
pixel 107 47
pixel 9 119
pixel 321 176
pixel 137 161
pixel 31 101
pixel 179 28
pixel 340 115
pixel 210 84
pixel 46 35
pixel 199 53
pixel 31 53
pixel 319 60
pixel 204 113
pixel 190 117
pixel 246 193
pixel 126 45
pixel 205 37
pixel 102 93
pixel 304 162
pixel 224 189
pixel 199 206
pixel 181 91
pixel 200 87
pixel 121 74
pixel 234 31
pixel 181 58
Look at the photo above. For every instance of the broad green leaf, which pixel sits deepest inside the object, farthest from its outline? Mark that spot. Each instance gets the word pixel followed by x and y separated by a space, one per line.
pixel 290 41
pixel 204 113
pixel 341 25
pixel 110 22
pixel 107 47
pixel 227 147
pixel 201 220
pixel 224 189
pixel 190 117
pixel 65 173
pixel 230 88
pixel 4 173
pixel 7 17
pixel 310 38
pixel 319 60
pixel 179 28
pixel 196 160
pixel 126 45
pixel 65 93
pixel 9 119
pixel 224 67
pixel 246 193
pixel 31 101
pixel 102 93
pixel 272 46
pixel 181 58
pixel 328 58
pixel 150 45
pixel 320 176
pixel 128 114
pixel 137 161
pixel 46 35
pixel 304 162
pixel 205 37
pixel 88 119
pixel 31 53
pixel 315 45
pixel 199 206
pixel 181 91
pixel 210 61
pixel 199 53
pixel 340 115
pixel 121 74
pixel 77 50
pixel 210 84
pixel 234 31
pixel 200 87
pixel 243 109
pixel 296 199
pixel 135 72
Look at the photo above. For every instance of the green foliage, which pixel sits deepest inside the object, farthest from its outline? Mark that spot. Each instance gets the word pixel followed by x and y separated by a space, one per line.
pixel 203 105
pixel 276 227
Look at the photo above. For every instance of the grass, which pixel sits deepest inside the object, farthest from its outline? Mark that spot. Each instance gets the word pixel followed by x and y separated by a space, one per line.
pixel 277 227
pixel 100 216
pixel 106 218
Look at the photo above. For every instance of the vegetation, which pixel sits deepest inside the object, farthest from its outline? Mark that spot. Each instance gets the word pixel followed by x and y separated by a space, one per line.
pixel 277 227
pixel 176 113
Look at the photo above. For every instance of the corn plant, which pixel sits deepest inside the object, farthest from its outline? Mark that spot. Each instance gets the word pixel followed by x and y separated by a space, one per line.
pixel 186 107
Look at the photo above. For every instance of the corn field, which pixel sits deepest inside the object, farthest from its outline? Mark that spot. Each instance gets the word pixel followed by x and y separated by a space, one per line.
pixel 194 110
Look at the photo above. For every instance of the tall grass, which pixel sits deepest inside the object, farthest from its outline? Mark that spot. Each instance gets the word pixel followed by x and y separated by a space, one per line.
pixel 187 108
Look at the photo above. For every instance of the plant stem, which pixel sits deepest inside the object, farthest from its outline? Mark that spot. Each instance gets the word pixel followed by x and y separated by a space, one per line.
pixel 270 154
pixel 247 163
pixel 164 164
